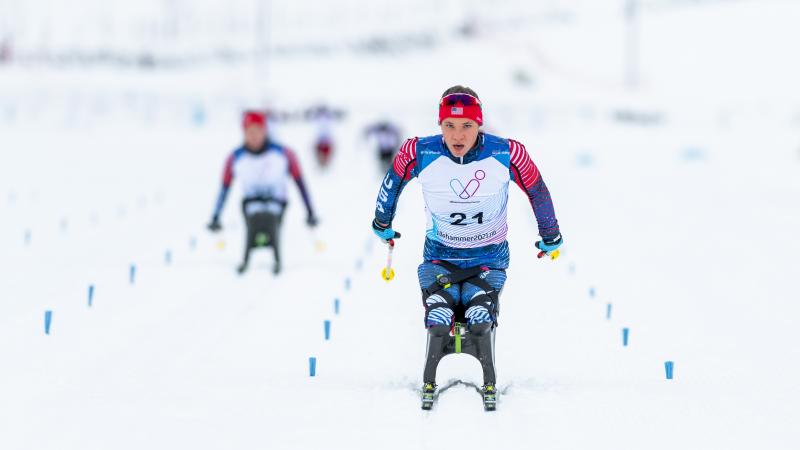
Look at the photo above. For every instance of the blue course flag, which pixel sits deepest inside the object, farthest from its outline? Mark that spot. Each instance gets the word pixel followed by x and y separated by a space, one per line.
pixel 592 292
pixel 327 330
pixel 48 319
pixel 347 283
pixel 608 311
pixel 312 366
pixel 132 274
pixel 625 333
pixel 669 367
pixel 168 257
pixel 336 306
pixel 91 294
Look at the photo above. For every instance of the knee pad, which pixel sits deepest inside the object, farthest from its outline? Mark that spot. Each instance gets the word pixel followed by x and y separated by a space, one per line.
pixel 480 310
pixel 438 310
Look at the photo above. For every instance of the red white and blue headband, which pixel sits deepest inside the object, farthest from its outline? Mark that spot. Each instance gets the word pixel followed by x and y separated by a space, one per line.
pixel 462 106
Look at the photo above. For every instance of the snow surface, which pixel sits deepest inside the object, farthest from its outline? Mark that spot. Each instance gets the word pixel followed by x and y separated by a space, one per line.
pixel 687 226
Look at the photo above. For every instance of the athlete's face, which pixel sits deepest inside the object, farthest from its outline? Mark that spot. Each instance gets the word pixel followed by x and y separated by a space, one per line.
pixel 254 136
pixel 460 135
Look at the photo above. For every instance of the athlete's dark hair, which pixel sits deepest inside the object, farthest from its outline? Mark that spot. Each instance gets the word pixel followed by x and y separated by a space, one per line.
pixel 459 89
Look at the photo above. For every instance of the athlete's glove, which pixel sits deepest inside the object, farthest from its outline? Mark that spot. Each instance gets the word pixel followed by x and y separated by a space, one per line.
pixel 214 225
pixel 549 246
pixel 384 232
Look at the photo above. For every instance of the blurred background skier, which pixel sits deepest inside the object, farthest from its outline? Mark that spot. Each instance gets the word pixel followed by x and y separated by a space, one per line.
pixel 464 175
pixel 322 116
pixel 262 168
pixel 386 136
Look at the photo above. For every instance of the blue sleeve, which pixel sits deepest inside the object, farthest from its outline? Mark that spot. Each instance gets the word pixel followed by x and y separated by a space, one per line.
pixel 388 195
pixel 294 171
pixel 223 194
pixel 527 176
pixel 227 179
pixel 301 186
pixel 402 171
pixel 539 196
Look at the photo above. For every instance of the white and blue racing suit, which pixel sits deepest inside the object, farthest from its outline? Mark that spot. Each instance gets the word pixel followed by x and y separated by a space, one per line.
pixel 466 202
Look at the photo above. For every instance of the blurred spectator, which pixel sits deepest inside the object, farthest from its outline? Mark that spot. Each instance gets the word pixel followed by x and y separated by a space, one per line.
pixel 5 50
pixel 323 118
pixel 386 136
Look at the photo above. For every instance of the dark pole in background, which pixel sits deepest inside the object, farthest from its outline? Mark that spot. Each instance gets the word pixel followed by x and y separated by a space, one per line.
pixel 261 50
pixel 632 44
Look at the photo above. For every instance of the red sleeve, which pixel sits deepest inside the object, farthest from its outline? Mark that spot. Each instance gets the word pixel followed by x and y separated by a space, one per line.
pixel 227 172
pixel 294 164
pixel 406 159
pixel 523 169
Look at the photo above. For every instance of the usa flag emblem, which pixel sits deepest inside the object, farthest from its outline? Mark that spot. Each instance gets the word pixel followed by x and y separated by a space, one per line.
pixel 458 111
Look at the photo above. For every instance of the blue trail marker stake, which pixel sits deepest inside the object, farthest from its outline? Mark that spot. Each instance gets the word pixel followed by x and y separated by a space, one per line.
pixel 312 366
pixel 669 366
pixel 48 318
pixel 347 283
pixel 608 311
pixel 91 294
pixel 336 306
pixel 198 115
pixel 359 264
pixel 133 273
pixel 592 292
pixel 27 237
pixel 327 330
pixel 625 333
pixel 168 257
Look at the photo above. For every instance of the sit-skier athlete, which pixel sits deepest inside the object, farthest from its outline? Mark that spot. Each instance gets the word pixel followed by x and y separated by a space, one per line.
pixel 464 174
pixel 262 168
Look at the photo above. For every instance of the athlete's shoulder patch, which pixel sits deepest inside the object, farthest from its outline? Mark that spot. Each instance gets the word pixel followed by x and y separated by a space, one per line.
pixel 429 149
pixel 238 152
pixel 496 147
pixel 277 146
pixel 496 142
pixel 429 145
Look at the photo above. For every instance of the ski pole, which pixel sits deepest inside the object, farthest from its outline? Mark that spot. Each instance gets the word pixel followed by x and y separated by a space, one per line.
pixel 388 273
